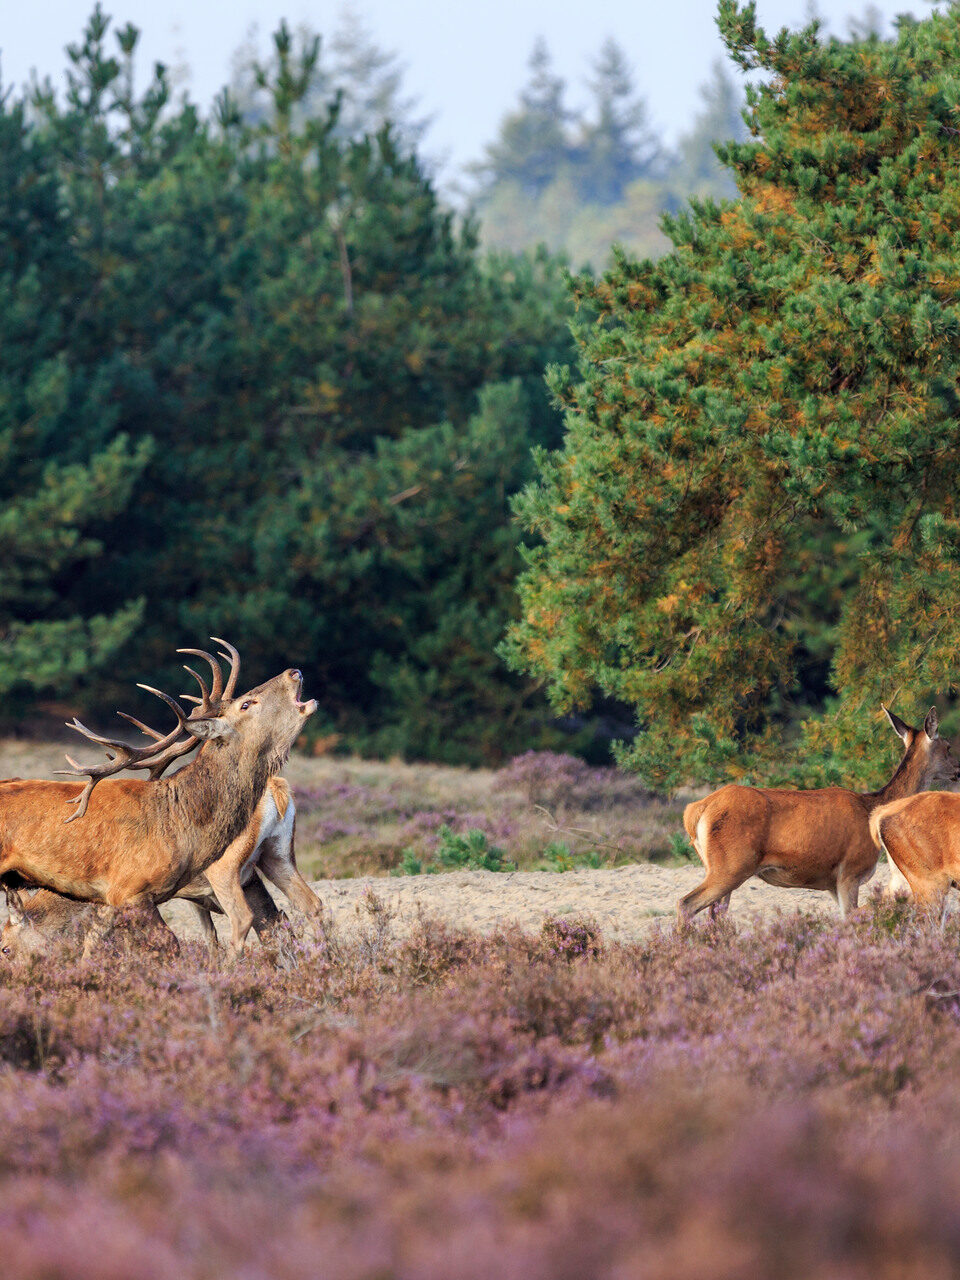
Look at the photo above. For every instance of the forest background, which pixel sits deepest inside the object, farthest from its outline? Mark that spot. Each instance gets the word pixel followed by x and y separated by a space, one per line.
pixel 258 378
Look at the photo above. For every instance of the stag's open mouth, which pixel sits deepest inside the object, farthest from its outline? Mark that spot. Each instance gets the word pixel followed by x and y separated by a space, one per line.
pixel 305 708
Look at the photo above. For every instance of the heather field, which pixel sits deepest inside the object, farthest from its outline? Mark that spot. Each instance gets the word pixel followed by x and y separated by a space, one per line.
pixel 780 1101
pixel 773 1095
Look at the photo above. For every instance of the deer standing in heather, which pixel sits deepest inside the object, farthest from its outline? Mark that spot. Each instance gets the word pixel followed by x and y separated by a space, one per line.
pixel 140 842
pixel 804 839
pixel 35 924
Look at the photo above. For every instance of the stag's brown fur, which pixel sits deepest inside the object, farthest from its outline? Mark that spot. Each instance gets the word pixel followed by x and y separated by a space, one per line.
pixel 37 923
pixel 142 842
pixel 803 839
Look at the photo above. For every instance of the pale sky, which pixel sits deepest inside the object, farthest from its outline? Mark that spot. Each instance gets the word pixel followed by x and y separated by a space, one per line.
pixel 465 63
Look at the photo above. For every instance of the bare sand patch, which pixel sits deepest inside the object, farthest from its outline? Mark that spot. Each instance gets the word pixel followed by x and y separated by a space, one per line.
pixel 628 903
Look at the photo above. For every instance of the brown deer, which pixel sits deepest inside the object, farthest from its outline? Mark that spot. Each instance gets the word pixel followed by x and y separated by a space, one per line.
pixel 920 834
pixel 141 842
pixel 35 924
pixel 804 839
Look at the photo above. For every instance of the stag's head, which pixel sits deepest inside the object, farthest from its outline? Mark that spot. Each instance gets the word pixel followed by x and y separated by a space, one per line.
pixel 264 721
pixel 268 718
pixel 926 750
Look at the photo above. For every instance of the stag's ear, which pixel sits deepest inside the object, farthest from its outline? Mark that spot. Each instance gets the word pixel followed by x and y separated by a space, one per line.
pixel 209 727
pixel 900 727
pixel 931 724
pixel 18 915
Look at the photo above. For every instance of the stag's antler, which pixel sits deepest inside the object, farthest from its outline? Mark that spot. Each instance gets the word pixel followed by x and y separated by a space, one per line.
pixel 164 748
pixel 213 698
pixel 122 755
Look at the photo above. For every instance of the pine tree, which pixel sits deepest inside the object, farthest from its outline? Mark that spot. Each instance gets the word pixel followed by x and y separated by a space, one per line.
pixel 265 307
pixel 532 148
pixel 753 520
pixel 62 486
pixel 617 145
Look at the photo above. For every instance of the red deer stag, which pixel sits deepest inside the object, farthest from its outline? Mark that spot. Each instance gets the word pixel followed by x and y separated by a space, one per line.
pixel 141 842
pixel 804 839
pixel 36 923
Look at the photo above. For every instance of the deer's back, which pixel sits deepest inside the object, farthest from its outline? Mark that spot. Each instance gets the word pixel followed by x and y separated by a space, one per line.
pixel 780 822
pixel 925 826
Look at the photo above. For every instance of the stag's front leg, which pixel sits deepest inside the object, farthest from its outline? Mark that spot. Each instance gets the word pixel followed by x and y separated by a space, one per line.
pixel 224 879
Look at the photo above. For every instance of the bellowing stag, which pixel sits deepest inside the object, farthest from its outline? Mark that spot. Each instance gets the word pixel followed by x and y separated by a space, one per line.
pixel 37 923
pixel 134 842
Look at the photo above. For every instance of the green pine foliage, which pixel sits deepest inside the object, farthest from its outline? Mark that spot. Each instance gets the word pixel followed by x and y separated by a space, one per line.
pixel 259 377
pixel 66 472
pixel 753 522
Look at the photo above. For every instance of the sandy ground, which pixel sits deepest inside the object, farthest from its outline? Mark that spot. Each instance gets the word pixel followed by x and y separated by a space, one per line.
pixel 627 903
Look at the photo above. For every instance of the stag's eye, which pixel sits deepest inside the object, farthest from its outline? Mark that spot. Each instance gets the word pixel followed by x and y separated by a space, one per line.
pixel 245 705
pixel 6 951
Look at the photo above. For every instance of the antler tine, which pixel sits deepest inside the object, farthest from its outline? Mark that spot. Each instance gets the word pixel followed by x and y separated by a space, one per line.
pixel 206 702
pixel 127 756
pixel 82 800
pixel 144 728
pixel 174 706
pixel 233 657
pixel 114 743
pixel 158 763
pixel 216 687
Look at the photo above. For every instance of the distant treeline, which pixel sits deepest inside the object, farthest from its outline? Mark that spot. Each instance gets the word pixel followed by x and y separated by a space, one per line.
pixel 579 182
pixel 256 380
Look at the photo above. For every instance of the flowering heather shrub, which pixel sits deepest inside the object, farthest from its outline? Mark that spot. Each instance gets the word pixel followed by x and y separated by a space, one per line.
pixel 562 782
pixel 570 939
pixel 778 1102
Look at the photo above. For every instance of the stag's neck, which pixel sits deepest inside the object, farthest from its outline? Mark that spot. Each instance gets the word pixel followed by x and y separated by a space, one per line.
pixel 910 777
pixel 213 797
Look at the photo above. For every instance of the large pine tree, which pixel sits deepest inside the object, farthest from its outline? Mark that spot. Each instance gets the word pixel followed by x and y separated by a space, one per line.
pixel 754 519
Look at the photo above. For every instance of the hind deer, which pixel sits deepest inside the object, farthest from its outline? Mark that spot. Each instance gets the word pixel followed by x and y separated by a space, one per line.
pixel 920 834
pixel 804 839
pixel 36 923
pixel 136 843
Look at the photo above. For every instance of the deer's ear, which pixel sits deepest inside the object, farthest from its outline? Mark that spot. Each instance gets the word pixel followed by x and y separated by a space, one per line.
pixel 931 725
pixel 900 727
pixel 15 908
pixel 209 727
